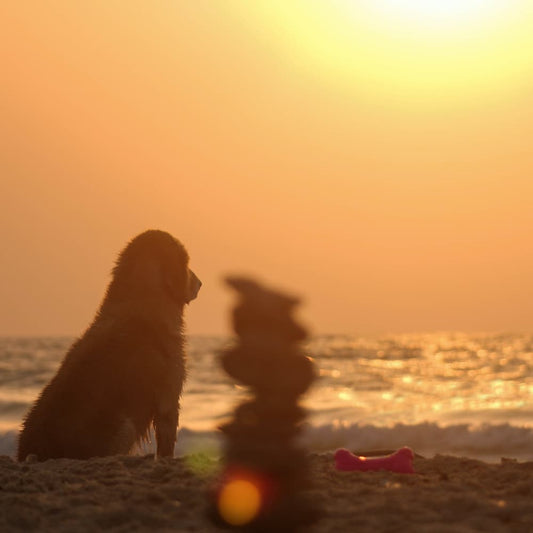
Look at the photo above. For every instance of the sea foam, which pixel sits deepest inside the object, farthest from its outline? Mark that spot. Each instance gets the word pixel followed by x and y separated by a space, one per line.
pixel 487 442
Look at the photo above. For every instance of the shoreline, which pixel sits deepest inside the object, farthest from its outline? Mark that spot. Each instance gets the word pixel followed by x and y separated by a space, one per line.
pixel 481 442
pixel 136 493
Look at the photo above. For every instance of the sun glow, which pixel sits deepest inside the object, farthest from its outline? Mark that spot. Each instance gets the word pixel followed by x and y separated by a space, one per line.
pixel 406 51
pixel 438 13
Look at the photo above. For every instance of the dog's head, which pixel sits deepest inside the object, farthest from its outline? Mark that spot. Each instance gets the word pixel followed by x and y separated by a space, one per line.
pixel 155 265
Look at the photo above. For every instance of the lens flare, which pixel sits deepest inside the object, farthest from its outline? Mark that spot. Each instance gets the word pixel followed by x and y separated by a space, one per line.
pixel 240 499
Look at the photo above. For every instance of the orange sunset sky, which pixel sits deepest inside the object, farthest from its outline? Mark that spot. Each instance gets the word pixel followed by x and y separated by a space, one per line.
pixel 373 157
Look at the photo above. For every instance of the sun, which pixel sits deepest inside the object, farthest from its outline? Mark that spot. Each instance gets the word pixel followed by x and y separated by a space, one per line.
pixel 404 52
pixel 436 13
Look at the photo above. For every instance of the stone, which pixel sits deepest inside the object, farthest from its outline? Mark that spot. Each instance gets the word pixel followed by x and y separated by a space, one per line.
pixel 261 453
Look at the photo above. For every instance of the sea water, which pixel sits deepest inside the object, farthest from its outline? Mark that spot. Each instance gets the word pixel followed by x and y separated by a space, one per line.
pixel 459 394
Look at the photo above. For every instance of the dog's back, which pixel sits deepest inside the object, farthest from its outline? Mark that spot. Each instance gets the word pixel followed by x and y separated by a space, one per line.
pixel 103 398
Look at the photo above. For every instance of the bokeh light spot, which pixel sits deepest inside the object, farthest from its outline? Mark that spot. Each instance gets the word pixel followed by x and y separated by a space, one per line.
pixel 239 502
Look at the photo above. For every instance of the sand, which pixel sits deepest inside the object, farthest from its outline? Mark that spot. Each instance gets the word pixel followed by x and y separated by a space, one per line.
pixel 126 493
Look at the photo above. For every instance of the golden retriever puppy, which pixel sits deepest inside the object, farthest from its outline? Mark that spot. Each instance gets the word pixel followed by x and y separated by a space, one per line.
pixel 127 371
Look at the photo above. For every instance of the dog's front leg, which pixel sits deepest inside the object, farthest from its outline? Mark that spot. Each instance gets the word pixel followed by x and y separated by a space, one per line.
pixel 166 425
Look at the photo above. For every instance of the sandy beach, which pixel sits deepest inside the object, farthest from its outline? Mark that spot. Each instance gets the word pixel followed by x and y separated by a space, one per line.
pixel 134 493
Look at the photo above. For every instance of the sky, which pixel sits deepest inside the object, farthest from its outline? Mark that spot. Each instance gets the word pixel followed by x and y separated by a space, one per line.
pixel 374 158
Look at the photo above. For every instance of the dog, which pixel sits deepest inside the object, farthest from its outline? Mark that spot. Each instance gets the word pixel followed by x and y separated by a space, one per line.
pixel 127 371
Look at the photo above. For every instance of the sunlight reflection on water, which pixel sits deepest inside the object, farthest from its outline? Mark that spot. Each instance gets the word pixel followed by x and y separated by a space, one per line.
pixel 411 379
pixel 485 378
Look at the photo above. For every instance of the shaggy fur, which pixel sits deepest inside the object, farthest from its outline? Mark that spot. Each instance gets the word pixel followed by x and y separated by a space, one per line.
pixel 127 371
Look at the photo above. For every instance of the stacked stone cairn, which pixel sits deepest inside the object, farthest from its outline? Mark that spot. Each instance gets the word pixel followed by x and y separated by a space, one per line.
pixel 261 438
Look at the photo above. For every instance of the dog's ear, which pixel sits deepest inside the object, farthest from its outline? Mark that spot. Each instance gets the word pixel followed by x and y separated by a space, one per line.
pixel 145 275
pixel 151 276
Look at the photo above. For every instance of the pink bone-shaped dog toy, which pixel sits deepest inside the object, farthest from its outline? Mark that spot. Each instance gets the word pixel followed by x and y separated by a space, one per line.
pixel 400 461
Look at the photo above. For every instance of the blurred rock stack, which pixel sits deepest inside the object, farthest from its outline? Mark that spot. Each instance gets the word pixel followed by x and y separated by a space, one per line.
pixel 261 453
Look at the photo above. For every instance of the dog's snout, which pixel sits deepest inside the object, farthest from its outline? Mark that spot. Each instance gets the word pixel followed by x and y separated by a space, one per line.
pixel 194 286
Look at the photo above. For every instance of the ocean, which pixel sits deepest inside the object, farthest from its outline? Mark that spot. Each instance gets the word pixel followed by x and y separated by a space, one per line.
pixel 457 394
